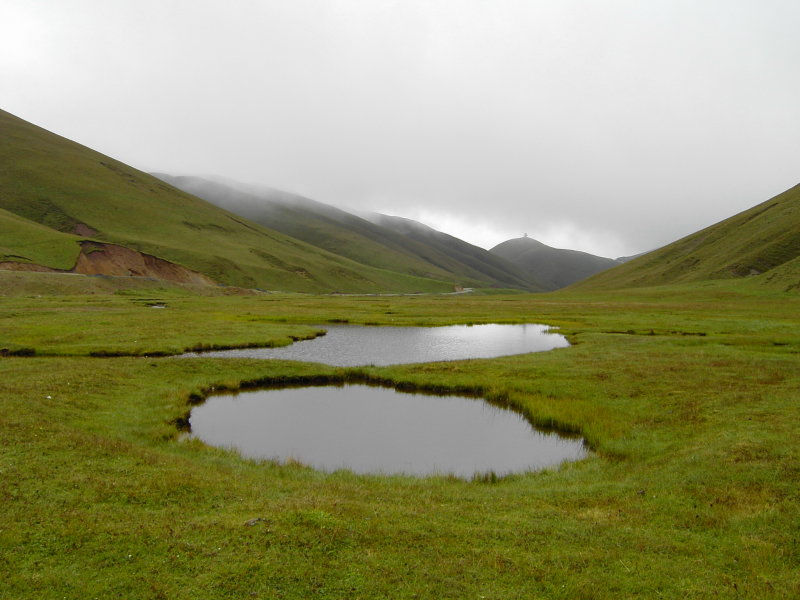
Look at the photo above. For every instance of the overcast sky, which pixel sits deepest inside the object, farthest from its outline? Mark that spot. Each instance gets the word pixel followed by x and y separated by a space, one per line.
pixel 610 126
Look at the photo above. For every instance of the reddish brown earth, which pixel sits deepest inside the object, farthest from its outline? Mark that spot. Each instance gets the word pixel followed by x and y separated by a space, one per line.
pixel 84 230
pixel 109 259
pixel 9 265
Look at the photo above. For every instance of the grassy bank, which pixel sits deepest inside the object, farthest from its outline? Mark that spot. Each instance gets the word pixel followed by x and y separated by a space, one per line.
pixel 687 395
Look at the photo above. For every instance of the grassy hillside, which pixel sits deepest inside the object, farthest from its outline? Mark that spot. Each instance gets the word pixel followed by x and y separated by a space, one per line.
pixel 785 277
pixel 29 242
pixel 553 267
pixel 70 189
pixel 25 283
pixel 754 242
pixel 346 234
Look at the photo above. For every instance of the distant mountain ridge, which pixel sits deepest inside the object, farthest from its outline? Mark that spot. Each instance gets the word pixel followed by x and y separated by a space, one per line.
pixel 624 259
pixel 377 240
pixel 554 268
pixel 477 259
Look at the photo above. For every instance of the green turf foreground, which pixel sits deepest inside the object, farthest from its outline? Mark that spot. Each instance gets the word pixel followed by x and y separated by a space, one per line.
pixel 689 398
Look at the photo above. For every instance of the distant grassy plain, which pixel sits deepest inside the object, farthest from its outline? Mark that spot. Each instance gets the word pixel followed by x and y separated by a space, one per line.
pixel 688 396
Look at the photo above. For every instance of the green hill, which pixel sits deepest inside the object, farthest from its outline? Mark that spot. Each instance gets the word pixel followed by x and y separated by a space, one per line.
pixel 359 239
pixel 553 267
pixel 758 241
pixel 25 243
pixel 55 193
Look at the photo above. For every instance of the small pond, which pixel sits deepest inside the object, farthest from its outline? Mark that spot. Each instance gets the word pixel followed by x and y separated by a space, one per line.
pixel 369 429
pixel 354 345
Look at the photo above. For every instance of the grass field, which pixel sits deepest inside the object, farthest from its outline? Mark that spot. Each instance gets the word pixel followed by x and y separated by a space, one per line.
pixel 687 395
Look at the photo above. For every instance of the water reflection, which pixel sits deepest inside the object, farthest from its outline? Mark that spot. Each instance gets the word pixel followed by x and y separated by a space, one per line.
pixel 377 430
pixel 353 345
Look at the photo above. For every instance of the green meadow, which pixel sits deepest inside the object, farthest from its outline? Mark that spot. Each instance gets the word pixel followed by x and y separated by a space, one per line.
pixel 688 396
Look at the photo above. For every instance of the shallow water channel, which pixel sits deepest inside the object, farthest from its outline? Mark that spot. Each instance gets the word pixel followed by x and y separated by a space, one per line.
pixel 354 345
pixel 369 429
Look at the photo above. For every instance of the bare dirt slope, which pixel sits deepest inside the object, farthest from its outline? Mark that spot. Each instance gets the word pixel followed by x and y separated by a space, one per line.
pixel 97 258
pixel 110 259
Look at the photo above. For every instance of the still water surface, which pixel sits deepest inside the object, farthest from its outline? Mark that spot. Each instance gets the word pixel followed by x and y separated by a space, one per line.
pixel 371 429
pixel 353 345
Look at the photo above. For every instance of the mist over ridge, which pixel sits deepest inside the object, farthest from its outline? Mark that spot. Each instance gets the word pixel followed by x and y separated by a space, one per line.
pixel 373 239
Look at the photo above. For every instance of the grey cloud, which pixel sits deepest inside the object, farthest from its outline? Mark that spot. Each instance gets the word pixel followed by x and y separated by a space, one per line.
pixel 616 125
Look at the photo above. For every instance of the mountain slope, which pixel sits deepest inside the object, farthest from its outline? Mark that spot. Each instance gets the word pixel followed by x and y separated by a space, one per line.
pixel 71 190
pixel 446 251
pixel 785 277
pixel 756 241
pixel 357 238
pixel 553 267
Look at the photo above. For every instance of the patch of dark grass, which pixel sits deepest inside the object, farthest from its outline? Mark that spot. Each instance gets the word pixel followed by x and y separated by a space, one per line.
pixel 17 351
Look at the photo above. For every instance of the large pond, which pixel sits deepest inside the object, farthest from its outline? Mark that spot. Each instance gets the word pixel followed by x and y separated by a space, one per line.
pixel 353 345
pixel 369 429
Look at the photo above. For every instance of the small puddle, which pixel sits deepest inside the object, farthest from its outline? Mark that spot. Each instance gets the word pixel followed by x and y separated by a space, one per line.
pixel 355 345
pixel 377 430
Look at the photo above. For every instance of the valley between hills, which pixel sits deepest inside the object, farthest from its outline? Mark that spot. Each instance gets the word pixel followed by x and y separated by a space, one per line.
pixel 682 377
